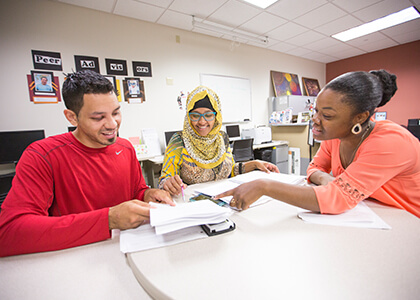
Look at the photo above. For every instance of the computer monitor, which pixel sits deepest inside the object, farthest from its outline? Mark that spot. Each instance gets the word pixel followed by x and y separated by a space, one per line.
pixel 233 132
pixel 13 143
pixel 168 135
pixel 414 127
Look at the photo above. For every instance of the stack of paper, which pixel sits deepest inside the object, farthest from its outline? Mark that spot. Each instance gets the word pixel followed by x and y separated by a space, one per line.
pixel 359 216
pixel 144 237
pixel 166 218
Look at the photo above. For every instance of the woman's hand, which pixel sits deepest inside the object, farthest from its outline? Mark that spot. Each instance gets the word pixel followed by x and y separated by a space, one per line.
pixel 245 194
pixel 173 185
pixel 261 165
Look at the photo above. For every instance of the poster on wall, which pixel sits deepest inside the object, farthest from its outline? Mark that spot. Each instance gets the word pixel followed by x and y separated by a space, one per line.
pixel 134 90
pixel 86 63
pixel 43 87
pixel 285 84
pixel 116 67
pixel 45 60
pixel 142 69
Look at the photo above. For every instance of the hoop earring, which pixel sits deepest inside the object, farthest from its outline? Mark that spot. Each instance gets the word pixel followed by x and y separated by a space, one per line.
pixel 356 129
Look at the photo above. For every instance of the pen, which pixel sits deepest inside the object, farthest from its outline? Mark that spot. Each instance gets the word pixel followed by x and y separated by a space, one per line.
pixel 182 190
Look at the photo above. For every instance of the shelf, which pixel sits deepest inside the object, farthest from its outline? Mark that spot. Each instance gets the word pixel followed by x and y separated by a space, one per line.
pixel 290 124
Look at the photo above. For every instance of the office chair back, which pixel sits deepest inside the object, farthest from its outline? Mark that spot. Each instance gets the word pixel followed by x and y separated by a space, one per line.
pixel 242 150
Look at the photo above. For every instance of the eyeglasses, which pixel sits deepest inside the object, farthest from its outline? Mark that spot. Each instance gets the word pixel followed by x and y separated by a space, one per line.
pixel 208 116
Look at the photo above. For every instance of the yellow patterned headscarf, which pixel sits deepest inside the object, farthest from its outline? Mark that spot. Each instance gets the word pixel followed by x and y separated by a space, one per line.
pixel 207 151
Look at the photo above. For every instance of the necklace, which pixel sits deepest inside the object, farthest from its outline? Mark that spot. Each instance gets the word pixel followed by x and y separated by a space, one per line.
pixel 358 145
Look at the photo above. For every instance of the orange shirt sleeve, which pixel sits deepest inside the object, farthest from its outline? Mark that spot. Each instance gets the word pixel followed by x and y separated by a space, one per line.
pixel 387 161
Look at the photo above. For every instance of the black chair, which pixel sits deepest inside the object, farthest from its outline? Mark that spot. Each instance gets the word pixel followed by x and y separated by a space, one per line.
pixel 242 150
pixel 414 127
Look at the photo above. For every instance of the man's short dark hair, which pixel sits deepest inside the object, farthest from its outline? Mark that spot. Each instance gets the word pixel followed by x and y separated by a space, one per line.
pixel 80 83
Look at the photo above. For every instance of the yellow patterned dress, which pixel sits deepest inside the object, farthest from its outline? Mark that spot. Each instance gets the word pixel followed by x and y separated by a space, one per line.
pixel 198 158
pixel 177 161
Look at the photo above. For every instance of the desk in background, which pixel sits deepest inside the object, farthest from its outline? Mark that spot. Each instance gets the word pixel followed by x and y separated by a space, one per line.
pixel 151 167
pixel 280 154
pixel 273 254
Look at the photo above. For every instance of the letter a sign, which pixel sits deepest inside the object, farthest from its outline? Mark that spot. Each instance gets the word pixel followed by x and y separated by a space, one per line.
pixel 86 63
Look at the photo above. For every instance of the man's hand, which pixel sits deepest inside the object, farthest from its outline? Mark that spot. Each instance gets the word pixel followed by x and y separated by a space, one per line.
pixel 159 196
pixel 129 214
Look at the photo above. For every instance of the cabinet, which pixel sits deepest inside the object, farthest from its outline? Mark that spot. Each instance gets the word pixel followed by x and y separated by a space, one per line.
pixel 280 157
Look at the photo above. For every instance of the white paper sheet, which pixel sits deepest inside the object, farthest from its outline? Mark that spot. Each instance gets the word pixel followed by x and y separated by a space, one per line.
pixel 144 237
pixel 222 186
pixel 285 178
pixel 359 216
pixel 151 139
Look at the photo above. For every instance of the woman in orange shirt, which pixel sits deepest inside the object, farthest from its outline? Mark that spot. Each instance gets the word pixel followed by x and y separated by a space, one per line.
pixel 367 159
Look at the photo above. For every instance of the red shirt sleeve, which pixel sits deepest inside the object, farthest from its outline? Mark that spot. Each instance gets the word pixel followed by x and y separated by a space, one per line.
pixel 25 224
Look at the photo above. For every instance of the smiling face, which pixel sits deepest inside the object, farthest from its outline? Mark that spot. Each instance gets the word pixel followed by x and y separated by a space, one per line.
pixel 202 126
pixel 332 118
pixel 98 120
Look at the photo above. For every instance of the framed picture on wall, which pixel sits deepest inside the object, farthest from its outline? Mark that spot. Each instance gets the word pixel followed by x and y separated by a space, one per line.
pixel 43 82
pixel 134 90
pixel 380 115
pixel 285 84
pixel 311 86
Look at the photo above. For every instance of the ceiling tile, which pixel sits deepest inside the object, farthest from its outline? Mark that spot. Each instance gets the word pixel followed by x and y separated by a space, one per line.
pixel 105 5
pixel 378 45
pixel 198 8
pixel 338 25
pixel 381 9
pixel 290 9
pixel 320 57
pixel 323 43
pixel 263 23
pixel 137 10
pixel 176 19
pixel 306 38
pixel 160 3
pixel 366 39
pixel 353 5
pixel 299 51
pixel 282 47
pixel 395 31
pixel 287 31
pixel 349 53
pixel 341 50
pixel 234 13
pixel 320 16
pixel 408 37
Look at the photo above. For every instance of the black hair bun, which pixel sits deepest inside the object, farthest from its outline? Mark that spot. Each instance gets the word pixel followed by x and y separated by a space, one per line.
pixel 389 85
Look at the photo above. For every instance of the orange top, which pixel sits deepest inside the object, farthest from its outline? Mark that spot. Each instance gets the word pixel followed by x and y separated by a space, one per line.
pixel 386 167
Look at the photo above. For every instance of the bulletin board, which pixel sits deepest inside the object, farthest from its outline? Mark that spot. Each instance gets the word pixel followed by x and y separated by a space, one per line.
pixel 234 94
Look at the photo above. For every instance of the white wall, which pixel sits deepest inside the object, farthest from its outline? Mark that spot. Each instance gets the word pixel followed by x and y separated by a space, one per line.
pixel 72 30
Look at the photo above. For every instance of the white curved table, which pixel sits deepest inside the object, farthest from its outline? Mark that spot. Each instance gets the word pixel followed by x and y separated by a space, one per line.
pixel 273 254
pixel 94 271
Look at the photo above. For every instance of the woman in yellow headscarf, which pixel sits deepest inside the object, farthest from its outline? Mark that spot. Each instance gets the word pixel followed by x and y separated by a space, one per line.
pixel 201 152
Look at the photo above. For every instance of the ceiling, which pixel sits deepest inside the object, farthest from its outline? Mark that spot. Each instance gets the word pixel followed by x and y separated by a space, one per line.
pixel 298 27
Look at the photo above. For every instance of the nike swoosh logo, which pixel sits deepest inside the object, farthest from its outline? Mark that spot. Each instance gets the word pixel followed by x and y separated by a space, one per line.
pixel 118 153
